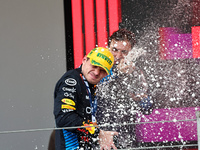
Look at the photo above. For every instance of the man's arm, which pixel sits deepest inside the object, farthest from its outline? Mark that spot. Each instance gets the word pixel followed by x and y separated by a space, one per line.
pixel 65 104
pixel 66 111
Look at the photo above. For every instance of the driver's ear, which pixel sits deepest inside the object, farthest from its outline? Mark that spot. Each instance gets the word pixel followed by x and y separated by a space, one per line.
pixel 84 59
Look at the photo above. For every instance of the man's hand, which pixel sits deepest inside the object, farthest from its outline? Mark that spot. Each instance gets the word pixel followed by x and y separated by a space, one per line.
pixel 125 67
pixel 106 140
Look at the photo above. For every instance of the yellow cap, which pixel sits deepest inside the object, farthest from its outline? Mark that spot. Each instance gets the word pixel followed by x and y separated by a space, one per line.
pixel 101 57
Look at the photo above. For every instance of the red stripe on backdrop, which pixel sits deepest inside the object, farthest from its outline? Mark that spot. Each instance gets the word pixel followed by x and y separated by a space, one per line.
pixel 119 11
pixel 77 32
pixel 196 41
pixel 89 25
pixel 101 22
pixel 114 16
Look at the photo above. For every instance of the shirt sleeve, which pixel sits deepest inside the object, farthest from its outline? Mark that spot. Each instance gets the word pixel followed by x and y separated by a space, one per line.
pixel 65 103
pixel 66 98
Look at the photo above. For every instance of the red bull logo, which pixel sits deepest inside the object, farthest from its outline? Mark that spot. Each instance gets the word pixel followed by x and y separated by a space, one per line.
pixel 91 129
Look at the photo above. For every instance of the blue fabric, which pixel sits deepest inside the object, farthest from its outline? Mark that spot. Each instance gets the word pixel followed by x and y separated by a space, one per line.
pixel 71 140
pixel 146 103
pixel 108 77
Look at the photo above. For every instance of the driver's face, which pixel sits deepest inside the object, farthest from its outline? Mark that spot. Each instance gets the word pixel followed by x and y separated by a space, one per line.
pixel 119 49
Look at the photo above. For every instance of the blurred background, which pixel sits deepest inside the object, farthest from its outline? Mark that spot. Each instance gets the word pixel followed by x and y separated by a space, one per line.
pixel 32 59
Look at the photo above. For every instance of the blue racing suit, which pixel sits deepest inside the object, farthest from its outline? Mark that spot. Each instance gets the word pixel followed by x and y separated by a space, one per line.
pixel 72 108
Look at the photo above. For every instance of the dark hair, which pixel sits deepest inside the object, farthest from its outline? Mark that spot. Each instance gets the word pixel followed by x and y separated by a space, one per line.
pixel 122 35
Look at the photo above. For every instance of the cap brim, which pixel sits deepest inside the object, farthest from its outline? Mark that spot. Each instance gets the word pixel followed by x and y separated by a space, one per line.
pixel 108 72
